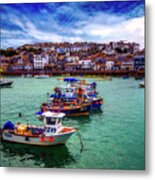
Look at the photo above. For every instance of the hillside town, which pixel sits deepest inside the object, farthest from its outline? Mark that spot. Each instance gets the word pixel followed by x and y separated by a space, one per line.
pixel 73 58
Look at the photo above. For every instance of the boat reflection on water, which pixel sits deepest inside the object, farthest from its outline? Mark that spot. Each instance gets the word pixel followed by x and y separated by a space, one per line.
pixel 47 157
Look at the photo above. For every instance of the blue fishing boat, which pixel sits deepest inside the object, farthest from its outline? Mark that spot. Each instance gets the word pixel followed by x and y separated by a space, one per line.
pixel 96 102
pixel 126 77
pixel 75 99
pixel 71 94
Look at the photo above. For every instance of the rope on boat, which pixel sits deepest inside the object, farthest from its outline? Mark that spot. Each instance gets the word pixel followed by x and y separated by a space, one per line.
pixel 82 146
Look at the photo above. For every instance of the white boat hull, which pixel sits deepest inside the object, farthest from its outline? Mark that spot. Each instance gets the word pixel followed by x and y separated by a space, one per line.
pixel 41 76
pixel 142 84
pixel 40 141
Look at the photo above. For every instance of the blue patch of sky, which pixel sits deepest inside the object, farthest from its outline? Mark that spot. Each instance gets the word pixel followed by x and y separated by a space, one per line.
pixel 61 18
pixel 9 26
pixel 63 13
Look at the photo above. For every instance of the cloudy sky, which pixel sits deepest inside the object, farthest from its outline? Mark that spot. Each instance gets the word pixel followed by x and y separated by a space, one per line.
pixel 72 22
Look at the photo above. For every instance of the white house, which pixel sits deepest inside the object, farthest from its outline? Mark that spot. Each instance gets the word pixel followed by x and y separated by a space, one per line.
pixel 128 65
pixel 72 59
pixel 86 64
pixel 20 61
pixel 136 47
pixel 52 48
pixel 62 50
pixel 75 49
pixel 40 61
pixel 109 65
pixel 28 67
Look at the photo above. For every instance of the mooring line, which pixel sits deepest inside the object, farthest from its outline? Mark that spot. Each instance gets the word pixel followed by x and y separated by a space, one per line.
pixel 82 146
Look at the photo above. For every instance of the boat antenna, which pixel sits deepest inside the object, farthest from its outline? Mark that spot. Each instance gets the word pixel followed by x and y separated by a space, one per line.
pixel 20 115
pixel 82 146
pixel 47 96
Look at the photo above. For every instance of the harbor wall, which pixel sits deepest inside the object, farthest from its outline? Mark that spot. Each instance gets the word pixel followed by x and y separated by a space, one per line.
pixel 75 73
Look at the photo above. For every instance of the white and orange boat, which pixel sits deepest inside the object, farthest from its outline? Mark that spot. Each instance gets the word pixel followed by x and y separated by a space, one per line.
pixel 51 133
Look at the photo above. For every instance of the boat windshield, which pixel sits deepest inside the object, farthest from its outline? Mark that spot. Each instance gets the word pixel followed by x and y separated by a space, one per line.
pixel 50 121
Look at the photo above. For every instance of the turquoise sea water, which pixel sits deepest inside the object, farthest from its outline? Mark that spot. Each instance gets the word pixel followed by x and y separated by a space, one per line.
pixel 113 138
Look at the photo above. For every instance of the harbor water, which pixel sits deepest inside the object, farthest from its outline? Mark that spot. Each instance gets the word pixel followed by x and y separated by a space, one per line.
pixel 112 139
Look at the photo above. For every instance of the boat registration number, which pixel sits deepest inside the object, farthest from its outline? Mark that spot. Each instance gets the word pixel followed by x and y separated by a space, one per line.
pixel 8 135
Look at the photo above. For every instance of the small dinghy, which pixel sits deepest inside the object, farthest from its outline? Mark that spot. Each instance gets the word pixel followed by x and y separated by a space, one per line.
pixel 5 83
pixel 41 76
pixel 142 84
pixel 51 133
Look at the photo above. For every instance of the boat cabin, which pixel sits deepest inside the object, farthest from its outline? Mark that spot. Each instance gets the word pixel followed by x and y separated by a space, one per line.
pixel 52 122
pixel 64 92
pixel 69 91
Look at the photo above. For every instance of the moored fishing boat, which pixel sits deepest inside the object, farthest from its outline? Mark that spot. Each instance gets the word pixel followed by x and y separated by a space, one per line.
pixel 73 93
pixel 42 76
pixel 74 99
pixel 126 76
pixel 70 109
pixel 96 102
pixel 27 75
pixel 139 77
pixel 5 83
pixel 142 84
pixel 51 133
